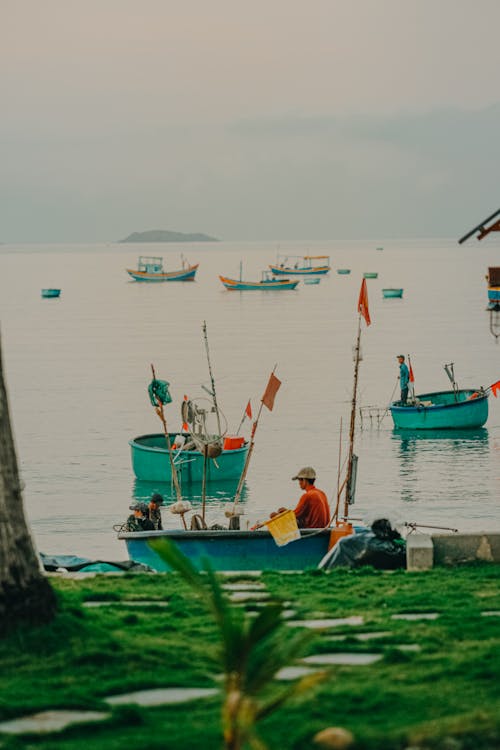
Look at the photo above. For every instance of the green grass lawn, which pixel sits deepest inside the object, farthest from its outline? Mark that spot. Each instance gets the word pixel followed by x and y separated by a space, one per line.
pixel 447 692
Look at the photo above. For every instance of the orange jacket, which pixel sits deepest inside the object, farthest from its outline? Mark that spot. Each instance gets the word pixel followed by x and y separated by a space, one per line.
pixel 312 511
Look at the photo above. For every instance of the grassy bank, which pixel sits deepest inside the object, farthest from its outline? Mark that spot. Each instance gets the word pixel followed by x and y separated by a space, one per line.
pixel 445 686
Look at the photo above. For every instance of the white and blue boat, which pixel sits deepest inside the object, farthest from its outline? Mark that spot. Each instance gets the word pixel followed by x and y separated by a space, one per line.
pixel 493 280
pixel 150 268
pixel 305 265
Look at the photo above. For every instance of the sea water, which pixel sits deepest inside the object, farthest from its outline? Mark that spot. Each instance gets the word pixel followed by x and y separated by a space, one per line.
pixel 78 368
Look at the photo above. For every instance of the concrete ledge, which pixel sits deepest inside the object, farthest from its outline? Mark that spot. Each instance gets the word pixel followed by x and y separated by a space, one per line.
pixel 419 552
pixel 453 549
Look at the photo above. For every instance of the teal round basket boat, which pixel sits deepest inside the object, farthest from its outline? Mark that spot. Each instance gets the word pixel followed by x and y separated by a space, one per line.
pixel 443 410
pixel 150 460
pixel 392 293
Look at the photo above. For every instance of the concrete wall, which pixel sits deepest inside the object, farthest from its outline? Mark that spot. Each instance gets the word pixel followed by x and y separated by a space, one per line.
pixel 423 551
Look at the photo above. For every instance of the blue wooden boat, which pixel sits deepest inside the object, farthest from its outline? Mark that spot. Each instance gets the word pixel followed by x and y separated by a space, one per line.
pixel 50 293
pixel 230 550
pixel 302 267
pixel 443 410
pixel 150 268
pixel 343 271
pixel 493 279
pixel 267 283
pixel 312 280
pixel 151 462
pixel 392 293
pixel 370 275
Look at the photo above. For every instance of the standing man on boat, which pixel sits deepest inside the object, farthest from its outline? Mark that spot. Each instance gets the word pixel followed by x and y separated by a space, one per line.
pixel 312 511
pixel 404 378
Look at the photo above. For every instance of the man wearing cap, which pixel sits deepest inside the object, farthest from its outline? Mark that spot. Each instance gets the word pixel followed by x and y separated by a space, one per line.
pixel 139 521
pixel 312 511
pixel 154 512
pixel 404 378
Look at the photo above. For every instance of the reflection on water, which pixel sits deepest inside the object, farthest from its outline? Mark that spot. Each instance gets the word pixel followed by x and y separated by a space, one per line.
pixel 448 456
pixel 218 494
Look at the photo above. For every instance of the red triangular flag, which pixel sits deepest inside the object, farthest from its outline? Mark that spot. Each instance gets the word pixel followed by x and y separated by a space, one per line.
pixel 271 391
pixel 495 387
pixel 363 303
pixel 185 427
pixel 412 379
pixel 248 410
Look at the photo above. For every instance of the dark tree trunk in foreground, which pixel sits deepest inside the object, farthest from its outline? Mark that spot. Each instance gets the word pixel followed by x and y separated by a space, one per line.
pixel 25 593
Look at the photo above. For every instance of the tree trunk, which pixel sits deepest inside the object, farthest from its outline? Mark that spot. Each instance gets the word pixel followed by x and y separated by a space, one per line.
pixel 26 596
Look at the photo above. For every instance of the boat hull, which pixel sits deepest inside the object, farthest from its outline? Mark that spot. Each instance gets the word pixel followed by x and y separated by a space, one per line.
pixel 343 271
pixel 392 293
pixel 444 413
pixel 493 297
pixel 186 274
pixel 50 293
pixel 287 271
pixel 275 285
pixel 151 462
pixel 230 550
pixel 370 275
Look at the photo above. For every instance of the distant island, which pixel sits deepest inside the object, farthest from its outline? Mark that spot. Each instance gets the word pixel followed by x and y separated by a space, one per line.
pixel 163 235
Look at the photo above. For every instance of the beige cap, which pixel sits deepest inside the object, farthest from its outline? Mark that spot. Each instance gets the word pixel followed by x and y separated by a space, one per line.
pixel 306 473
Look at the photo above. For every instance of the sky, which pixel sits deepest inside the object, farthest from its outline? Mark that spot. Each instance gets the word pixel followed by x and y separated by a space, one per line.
pixel 263 120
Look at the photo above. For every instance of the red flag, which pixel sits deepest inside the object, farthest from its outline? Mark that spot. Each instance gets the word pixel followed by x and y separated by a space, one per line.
pixel 495 387
pixel 185 427
pixel 271 391
pixel 363 303
pixel 412 379
pixel 248 410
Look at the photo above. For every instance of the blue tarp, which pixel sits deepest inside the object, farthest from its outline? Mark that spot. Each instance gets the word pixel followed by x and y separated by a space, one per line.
pixel 74 563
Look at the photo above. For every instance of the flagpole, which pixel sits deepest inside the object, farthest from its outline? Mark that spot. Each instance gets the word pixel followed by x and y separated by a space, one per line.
pixel 242 419
pixel 411 379
pixel 161 414
pixel 353 423
pixel 249 454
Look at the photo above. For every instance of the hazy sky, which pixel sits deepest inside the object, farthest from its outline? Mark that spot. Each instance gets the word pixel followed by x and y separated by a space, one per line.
pixel 268 119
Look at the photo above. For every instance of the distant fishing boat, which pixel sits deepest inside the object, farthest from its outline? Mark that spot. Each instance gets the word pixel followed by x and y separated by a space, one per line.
pixel 457 409
pixel 388 293
pixel 312 280
pixel 303 265
pixel 343 271
pixel 49 293
pixel 370 275
pixel 380 248
pixel 150 268
pixel 267 283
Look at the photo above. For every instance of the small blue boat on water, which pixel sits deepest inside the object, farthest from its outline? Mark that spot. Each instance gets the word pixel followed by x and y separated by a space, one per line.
pixel 392 293
pixel 443 410
pixel 312 280
pixel 151 462
pixel 51 293
pixel 267 283
pixel 343 271
pixel 493 280
pixel 370 275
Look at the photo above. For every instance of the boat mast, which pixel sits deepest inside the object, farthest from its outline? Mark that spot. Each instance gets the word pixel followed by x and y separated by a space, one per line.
pixel 212 392
pixel 352 458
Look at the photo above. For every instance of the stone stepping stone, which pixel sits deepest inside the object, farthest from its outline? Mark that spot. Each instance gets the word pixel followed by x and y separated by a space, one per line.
pixel 415 647
pixel 352 659
pixel 326 623
pixel 491 613
pixel 416 616
pixel 294 673
pixel 161 696
pixel 50 721
pixel 126 603
pixel 255 586
pixel 361 636
pixel 249 596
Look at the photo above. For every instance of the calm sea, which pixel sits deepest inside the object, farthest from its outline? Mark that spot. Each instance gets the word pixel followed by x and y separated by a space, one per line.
pixel 78 368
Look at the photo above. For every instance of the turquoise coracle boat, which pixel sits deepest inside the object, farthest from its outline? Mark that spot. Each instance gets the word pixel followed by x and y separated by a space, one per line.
pixel 230 550
pixel 443 410
pixel 150 460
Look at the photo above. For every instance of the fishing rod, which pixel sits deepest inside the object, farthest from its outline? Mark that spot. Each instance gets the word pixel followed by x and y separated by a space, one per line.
pixel 212 392
pixel 412 525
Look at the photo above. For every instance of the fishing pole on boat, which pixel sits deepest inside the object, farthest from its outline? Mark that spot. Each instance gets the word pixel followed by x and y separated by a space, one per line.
pixel 267 400
pixel 159 395
pixel 413 526
pixel 212 392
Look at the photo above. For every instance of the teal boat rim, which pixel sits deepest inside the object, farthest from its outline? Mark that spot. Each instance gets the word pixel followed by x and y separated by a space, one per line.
pixel 397 407
pixel 214 533
pixel 157 449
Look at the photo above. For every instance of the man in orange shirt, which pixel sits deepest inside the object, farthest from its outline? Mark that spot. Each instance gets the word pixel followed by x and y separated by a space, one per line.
pixel 312 511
